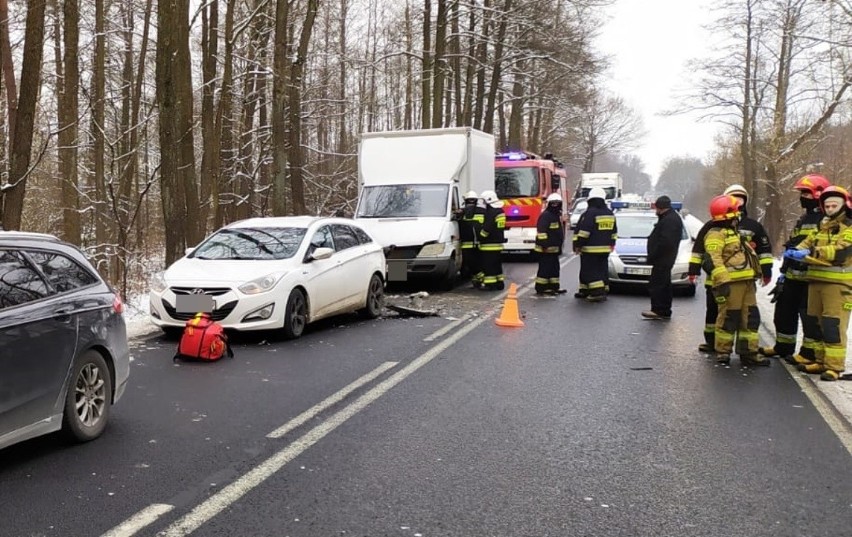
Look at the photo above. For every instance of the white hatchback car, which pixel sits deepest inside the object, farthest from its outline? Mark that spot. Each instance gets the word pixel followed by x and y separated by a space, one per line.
pixel 273 273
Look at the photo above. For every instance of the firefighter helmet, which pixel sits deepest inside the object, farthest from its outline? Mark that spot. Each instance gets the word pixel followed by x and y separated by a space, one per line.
pixel 725 207
pixel 835 192
pixel 554 197
pixel 738 191
pixel 490 198
pixel 471 195
pixel 812 183
pixel 597 192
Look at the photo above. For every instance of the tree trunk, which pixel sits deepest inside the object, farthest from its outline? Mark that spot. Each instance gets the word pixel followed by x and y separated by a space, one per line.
pixel 517 111
pixel 280 191
pixel 209 184
pixel 496 71
pixel 24 116
pixel 439 65
pixel 67 85
pixel 426 70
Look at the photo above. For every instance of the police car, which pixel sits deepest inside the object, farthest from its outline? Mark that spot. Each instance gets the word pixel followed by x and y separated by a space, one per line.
pixel 628 264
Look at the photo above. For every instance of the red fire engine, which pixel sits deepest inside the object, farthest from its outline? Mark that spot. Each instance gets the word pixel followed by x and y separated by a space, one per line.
pixel 523 181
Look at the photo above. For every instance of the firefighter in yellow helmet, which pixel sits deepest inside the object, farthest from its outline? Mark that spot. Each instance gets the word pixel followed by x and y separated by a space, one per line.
pixel 548 245
pixel 734 266
pixel 828 254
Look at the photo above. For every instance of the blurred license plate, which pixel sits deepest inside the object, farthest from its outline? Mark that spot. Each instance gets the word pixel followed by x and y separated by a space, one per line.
pixel 639 271
pixel 194 303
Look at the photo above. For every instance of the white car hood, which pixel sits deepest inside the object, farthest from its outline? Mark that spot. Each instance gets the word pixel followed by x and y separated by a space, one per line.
pixel 404 231
pixel 194 271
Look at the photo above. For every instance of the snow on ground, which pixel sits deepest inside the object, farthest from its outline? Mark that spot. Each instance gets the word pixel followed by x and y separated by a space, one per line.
pixel 838 393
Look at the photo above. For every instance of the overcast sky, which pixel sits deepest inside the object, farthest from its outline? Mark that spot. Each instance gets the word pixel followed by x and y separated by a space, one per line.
pixel 650 41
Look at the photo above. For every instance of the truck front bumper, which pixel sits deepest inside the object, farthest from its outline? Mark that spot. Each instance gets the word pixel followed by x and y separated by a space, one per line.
pixel 519 239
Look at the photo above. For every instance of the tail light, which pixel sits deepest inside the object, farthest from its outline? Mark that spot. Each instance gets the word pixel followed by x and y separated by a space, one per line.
pixel 117 305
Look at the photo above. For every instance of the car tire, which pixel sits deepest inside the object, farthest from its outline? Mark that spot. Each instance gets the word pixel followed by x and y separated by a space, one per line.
pixel 296 316
pixel 375 298
pixel 449 280
pixel 88 398
pixel 689 290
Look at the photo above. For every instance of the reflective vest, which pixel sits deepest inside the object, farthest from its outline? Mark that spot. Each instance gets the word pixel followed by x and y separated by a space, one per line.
pixel 731 258
pixel 807 225
pixel 549 236
pixel 596 231
pixel 832 243
pixel 491 237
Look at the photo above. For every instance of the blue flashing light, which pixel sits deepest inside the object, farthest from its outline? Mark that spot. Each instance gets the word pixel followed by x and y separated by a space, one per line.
pixel 515 211
pixel 512 156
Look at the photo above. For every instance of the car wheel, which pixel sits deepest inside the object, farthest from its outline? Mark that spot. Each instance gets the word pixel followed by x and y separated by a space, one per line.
pixel 87 402
pixel 689 290
pixel 296 317
pixel 449 280
pixel 375 298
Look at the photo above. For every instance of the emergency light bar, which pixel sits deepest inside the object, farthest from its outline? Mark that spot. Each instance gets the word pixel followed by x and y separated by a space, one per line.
pixel 648 205
pixel 511 156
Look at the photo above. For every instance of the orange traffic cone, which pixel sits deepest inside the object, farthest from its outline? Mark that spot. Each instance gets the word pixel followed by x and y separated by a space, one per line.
pixel 509 316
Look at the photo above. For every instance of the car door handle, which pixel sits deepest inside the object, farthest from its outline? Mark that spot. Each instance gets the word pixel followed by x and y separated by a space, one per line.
pixel 63 314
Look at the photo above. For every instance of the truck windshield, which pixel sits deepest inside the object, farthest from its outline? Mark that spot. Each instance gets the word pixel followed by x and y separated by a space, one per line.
pixel 400 201
pixel 610 192
pixel 516 182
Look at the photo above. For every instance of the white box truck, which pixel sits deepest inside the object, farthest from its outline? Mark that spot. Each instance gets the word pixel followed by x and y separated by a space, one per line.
pixel 611 182
pixel 410 185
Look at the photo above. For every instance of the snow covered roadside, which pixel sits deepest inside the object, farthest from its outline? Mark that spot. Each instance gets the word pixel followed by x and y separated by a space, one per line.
pixel 136 310
pixel 838 393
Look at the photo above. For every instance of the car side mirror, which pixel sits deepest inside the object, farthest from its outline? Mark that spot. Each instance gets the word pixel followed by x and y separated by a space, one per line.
pixel 320 253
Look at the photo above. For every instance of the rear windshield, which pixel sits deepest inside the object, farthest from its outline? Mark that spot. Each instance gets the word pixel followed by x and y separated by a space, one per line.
pixel 251 243
pixel 516 182
pixel 401 201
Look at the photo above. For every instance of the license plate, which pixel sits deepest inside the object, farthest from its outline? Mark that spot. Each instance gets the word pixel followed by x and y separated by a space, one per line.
pixel 638 271
pixel 194 304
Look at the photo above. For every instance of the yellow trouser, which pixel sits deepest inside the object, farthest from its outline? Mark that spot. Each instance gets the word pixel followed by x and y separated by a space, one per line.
pixel 738 318
pixel 830 304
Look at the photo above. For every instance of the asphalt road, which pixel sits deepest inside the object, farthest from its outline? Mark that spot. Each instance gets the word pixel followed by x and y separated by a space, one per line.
pixel 588 421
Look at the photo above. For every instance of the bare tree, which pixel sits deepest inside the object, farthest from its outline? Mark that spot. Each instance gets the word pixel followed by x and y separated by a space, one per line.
pixel 607 125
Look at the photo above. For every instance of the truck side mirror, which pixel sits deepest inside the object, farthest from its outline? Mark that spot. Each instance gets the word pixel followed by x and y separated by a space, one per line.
pixel 555 184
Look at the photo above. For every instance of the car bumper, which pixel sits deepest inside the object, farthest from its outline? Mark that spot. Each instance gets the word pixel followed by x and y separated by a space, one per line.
pixel 230 310
pixel 639 275
pixel 400 270
pixel 519 239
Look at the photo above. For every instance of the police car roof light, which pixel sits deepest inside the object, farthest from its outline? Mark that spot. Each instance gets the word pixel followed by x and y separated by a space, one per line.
pixel 647 205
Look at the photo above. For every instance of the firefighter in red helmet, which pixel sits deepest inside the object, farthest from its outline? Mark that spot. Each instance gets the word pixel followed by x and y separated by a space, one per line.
pixel 734 267
pixel 790 294
pixel 828 255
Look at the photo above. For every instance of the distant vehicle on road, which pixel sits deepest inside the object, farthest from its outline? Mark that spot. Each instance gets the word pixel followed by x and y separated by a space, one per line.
pixel 578 208
pixel 64 358
pixel 273 273
pixel 628 264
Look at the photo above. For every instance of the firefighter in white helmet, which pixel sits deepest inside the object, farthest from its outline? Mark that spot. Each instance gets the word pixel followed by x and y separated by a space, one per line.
pixel 491 239
pixel 471 218
pixel 593 240
pixel 549 238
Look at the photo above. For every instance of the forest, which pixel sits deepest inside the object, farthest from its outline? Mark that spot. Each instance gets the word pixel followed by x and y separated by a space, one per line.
pixel 133 128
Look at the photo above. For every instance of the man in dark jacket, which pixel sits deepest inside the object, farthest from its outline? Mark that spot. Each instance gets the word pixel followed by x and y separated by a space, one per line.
pixel 548 245
pixel 663 243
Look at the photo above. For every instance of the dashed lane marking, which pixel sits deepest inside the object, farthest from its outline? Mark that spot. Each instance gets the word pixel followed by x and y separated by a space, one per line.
pixel 329 401
pixel 140 520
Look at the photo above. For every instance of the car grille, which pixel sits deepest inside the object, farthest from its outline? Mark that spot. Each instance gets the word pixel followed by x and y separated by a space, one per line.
pixel 212 291
pixel 633 259
pixel 217 315
pixel 635 277
pixel 404 252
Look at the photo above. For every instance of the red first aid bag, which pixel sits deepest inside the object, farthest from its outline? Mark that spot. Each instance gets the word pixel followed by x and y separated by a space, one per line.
pixel 203 339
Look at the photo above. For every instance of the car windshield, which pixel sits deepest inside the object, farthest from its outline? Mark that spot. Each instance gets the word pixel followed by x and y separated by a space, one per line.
pixel 516 182
pixel 251 243
pixel 580 207
pixel 638 226
pixel 609 191
pixel 401 201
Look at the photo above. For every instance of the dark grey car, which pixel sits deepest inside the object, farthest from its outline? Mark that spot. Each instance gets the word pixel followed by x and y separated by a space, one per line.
pixel 64 358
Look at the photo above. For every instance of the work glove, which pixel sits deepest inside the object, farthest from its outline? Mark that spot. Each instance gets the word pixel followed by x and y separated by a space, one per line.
pixel 721 293
pixel 777 290
pixel 692 278
pixel 795 254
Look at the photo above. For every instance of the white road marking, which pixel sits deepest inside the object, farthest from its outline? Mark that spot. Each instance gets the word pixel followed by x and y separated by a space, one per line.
pixel 826 410
pixel 138 521
pixel 331 400
pixel 233 492
pixel 441 331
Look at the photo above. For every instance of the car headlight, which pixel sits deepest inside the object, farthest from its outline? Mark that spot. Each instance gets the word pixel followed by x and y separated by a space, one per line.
pixel 432 250
pixel 260 285
pixel 157 283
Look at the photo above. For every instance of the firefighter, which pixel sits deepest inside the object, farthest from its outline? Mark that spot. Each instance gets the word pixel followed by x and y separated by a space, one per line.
pixel 828 254
pixel 548 245
pixel 593 240
pixel 790 293
pixel 754 233
pixel 734 266
pixel 697 262
pixel 491 241
pixel 470 224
